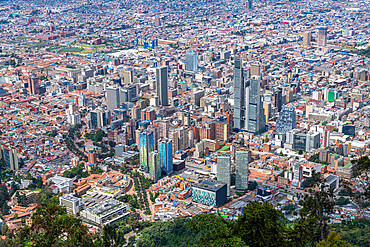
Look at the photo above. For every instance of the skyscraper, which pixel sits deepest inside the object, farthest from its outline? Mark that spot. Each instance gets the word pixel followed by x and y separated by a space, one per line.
pixel 146 146
pixel 81 100
pixel 255 71
pixel 239 95
pixel 255 117
pixel 322 36
pixel 10 156
pixel 98 119
pixel 241 169
pixel 157 21
pixel 326 141
pixel 161 78
pixel 154 166
pixel 128 76
pixel 223 170
pixel 250 4
pixel 165 152
pixel 307 39
pixel 33 85
pixel 278 97
pixel 287 120
pixel 93 120
pixel 191 61
pixel 113 99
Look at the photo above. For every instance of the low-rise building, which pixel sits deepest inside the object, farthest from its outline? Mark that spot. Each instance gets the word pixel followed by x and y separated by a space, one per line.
pixel 71 203
pixel 209 193
pixel 106 212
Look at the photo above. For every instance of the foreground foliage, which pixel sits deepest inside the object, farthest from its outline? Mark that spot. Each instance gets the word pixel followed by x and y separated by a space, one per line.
pixel 171 233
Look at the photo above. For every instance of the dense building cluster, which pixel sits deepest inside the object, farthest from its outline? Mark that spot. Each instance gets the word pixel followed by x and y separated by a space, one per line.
pixel 216 103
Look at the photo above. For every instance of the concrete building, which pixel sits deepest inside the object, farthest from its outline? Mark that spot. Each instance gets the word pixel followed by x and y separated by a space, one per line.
pixel 332 181
pixel 322 36
pixel 106 212
pixel 62 184
pixel 191 61
pixel 10 155
pixel 113 98
pixel 287 120
pixel 307 36
pixel 72 204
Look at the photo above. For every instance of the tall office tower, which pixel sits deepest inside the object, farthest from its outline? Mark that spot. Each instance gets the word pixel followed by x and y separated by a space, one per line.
pixel 239 95
pixel 98 119
pixel 10 156
pixel 287 120
pixel 93 120
pixel 256 71
pixel 128 76
pixel 113 99
pixel 326 140
pixel 157 21
pixel 146 146
pixel 267 111
pixel 164 127
pixel 255 116
pixel 250 4
pixel 33 85
pixel 191 61
pixel 161 78
pixel 154 166
pixel 322 36
pixel 307 39
pixel 241 169
pixel 278 98
pixel 104 118
pixel 165 152
pixel 174 136
pixel 297 175
pixel 81 100
pixel 128 94
pixel 223 170
pixel 73 117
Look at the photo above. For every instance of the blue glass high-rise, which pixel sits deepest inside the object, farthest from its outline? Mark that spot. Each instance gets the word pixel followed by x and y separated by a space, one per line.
pixel 165 152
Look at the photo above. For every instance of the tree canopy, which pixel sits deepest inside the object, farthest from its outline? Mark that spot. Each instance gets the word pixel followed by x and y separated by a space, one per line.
pixel 51 226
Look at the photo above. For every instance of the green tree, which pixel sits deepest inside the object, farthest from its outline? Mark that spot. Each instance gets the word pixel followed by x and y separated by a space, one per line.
pixel 111 237
pixel 51 226
pixel 213 230
pixel 333 240
pixel 166 234
pixel 260 225
pixel 355 232
pixel 315 216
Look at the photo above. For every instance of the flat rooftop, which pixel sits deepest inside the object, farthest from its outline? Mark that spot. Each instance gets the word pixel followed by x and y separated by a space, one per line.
pixel 209 185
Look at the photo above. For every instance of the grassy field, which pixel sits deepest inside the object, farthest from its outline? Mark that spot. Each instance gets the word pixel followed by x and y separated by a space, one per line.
pixel 71 49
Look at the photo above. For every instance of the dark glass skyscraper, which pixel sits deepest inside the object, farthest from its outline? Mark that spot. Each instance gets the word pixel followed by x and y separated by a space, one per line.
pixel 223 171
pixel 255 115
pixel 278 96
pixel 241 169
pixel 239 95
pixel 161 78
pixel 165 152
